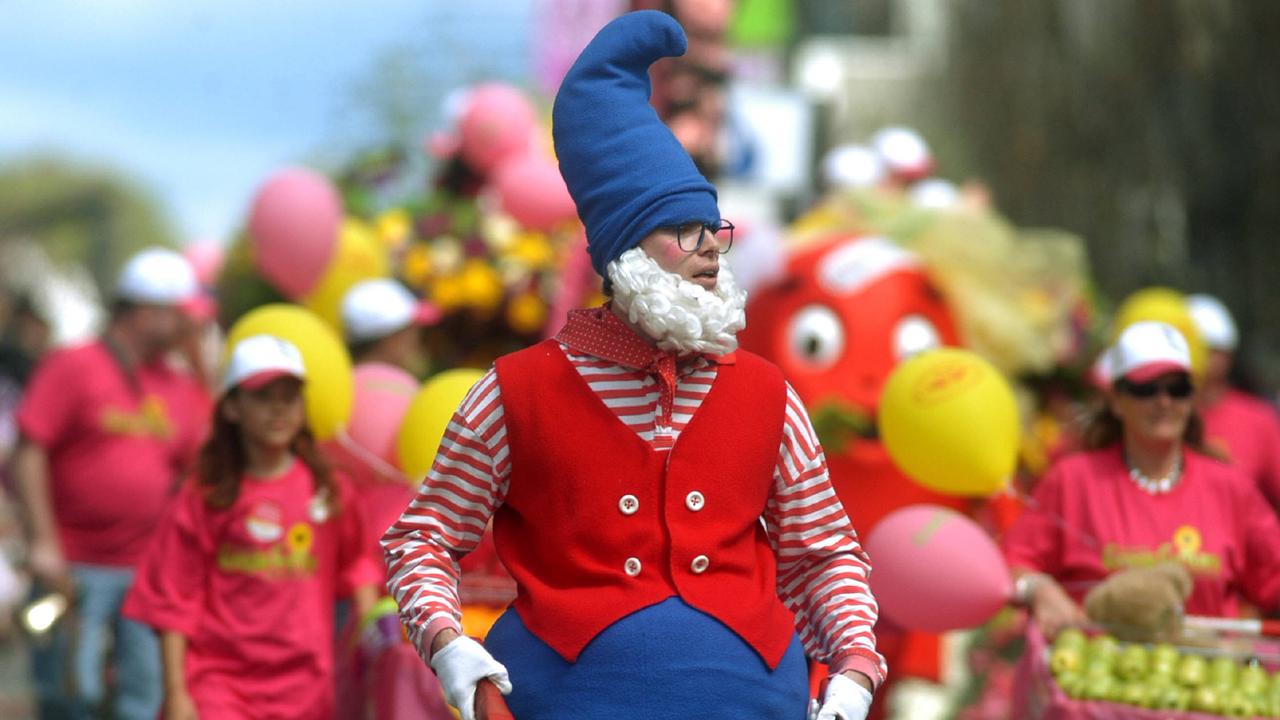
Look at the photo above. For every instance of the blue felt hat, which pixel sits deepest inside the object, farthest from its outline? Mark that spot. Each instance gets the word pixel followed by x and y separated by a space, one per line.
pixel 627 173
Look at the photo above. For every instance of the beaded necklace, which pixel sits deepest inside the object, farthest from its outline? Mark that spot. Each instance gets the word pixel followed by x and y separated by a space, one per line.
pixel 1155 486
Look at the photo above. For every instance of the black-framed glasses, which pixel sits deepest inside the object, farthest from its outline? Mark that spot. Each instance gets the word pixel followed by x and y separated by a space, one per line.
pixel 1179 389
pixel 690 236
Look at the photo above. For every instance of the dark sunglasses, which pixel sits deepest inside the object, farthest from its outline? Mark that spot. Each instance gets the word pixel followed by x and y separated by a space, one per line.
pixel 1179 389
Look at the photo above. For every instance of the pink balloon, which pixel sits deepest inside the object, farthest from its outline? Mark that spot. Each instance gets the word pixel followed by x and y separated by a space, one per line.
pixel 383 394
pixel 935 570
pixel 293 229
pixel 206 259
pixel 531 190
pixel 497 123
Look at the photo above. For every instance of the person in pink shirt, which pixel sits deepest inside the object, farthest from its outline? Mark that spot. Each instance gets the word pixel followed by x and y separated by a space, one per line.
pixel 1145 491
pixel 1238 425
pixel 243 572
pixel 107 428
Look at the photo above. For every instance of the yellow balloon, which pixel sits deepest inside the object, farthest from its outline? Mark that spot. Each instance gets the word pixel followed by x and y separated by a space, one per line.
pixel 330 389
pixel 949 421
pixel 427 417
pixel 1162 304
pixel 360 255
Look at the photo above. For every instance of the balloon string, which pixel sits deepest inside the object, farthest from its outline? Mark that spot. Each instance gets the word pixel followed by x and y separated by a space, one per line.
pixel 388 471
pixel 1062 523
pixel 1065 526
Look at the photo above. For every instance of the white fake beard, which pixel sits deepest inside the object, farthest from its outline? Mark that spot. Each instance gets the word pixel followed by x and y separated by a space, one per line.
pixel 681 316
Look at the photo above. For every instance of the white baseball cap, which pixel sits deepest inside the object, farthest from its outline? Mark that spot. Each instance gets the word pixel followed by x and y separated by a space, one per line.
pixel 1213 320
pixel 1147 350
pixel 259 359
pixel 935 194
pixel 904 152
pixel 852 166
pixel 1099 375
pixel 157 276
pixel 374 309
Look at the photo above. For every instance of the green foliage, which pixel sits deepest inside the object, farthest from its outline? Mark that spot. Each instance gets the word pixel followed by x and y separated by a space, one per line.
pixel 240 288
pixel 80 213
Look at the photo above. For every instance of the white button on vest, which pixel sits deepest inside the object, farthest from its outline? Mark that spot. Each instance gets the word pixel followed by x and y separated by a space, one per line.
pixel 628 504
pixel 694 501
pixel 632 566
pixel 699 564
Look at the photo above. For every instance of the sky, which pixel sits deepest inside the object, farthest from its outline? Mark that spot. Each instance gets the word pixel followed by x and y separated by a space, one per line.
pixel 199 101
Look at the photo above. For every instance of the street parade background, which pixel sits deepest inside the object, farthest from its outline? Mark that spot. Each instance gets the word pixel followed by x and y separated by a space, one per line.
pixel 946 211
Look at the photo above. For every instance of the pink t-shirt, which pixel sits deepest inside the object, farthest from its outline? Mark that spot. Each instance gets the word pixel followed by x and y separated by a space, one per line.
pixel 116 448
pixel 1247 431
pixel 1089 519
pixel 252 588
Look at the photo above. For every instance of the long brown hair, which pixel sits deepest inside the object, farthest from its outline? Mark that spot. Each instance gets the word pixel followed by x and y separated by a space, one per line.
pixel 1102 429
pixel 223 463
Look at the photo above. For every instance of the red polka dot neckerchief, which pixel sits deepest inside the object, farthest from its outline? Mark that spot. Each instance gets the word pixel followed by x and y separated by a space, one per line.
pixel 597 331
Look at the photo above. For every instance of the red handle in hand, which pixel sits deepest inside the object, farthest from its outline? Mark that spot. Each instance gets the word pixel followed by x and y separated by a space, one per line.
pixel 490 704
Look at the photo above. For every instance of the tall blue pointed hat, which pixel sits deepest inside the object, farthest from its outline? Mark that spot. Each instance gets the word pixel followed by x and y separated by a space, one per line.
pixel 627 173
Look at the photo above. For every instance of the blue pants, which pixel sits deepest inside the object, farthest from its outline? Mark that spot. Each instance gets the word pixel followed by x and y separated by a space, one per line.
pixel 665 662
pixel 68 665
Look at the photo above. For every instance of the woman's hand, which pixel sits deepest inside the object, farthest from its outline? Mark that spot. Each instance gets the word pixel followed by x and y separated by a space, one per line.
pixel 179 706
pixel 1053 609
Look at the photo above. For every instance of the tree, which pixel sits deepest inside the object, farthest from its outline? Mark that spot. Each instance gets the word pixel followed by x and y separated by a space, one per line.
pixel 81 214
pixel 1150 128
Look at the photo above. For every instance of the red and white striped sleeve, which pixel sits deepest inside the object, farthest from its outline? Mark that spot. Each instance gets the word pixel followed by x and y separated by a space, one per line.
pixel 447 517
pixel 822 569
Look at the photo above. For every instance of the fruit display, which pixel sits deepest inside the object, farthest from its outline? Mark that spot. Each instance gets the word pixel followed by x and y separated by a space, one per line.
pixel 1162 677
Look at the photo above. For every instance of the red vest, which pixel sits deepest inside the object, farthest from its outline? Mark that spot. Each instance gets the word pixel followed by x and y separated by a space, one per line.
pixel 597 525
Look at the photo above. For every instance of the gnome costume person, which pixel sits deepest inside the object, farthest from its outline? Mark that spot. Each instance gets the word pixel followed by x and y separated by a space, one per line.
pixel 658 495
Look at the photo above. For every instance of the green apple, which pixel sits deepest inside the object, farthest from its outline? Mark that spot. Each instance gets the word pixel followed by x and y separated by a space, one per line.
pixel 1066 659
pixel 1133 662
pixel 1172 697
pixel 1104 647
pixel 1253 679
pixel 1071 637
pixel 1133 693
pixel 1099 687
pixel 1164 651
pixel 1162 668
pixel 1072 684
pixel 1164 660
pixel 1223 671
pixel 1235 704
pixel 1206 698
pixel 1193 670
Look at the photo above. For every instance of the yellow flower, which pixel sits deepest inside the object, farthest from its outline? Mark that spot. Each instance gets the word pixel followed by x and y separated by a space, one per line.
pixel 499 231
pixel 446 255
pixel 526 313
pixel 532 250
pixel 299 538
pixel 481 286
pixel 595 299
pixel 416 266
pixel 448 293
pixel 1187 541
pixel 394 227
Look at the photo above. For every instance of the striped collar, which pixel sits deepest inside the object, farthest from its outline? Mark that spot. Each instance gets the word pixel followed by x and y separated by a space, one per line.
pixel 598 331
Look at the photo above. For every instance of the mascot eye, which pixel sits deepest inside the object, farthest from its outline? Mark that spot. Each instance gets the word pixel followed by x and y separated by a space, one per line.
pixel 914 334
pixel 817 337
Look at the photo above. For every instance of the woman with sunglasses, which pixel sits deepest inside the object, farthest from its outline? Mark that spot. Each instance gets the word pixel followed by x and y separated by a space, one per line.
pixel 1144 491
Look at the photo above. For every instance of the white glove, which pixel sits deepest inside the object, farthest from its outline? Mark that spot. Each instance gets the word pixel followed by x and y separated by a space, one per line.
pixel 845 700
pixel 460 665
